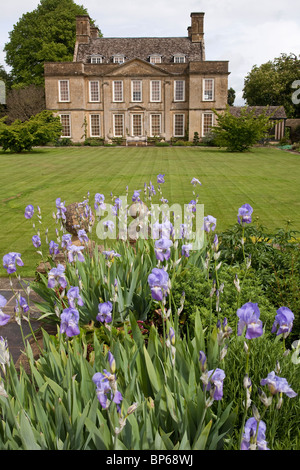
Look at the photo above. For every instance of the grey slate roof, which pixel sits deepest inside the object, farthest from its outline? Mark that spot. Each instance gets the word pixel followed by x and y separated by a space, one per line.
pixel 140 48
pixel 279 111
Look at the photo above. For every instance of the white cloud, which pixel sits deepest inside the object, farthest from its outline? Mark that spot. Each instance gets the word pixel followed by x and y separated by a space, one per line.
pixel 245 33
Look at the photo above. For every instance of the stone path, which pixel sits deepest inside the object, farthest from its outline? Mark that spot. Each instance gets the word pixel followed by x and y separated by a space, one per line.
pixel 11 331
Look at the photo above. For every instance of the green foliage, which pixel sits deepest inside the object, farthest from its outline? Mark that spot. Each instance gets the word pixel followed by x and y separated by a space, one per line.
pixel 265 356
pixel 56 407
pixel 197 287
pixel 230 96
pixel 196 139
pixel 46 34
pixel 275 261
pixel 270 84
pixel 240 133
pixel 168 402
pixel 38 130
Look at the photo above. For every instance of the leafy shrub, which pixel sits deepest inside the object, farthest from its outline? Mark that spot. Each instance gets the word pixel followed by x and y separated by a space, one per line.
pixel 38 130
pixel 94 141
pixel 197 288
pixel 63 142
pixel 275 259
pixel 240 133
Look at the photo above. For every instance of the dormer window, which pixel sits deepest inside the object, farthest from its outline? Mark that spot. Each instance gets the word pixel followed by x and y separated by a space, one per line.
pixel 118 59
pixel 179 58
pixel 155 59
pixel 96 59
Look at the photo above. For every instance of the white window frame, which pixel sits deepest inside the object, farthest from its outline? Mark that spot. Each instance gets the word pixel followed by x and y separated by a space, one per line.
pixel 118 59
pixel 205 97
pixel 212 121
pixel 114 92
pixel 151 128
pixel 155 59
pixel 90 91
pixel 96 59
pixel 99 124
pixel 140 91
pixel 69 117
pixel 114 124
pixel 152 91
pixel 60 89
pixel 176 84
pixel 174 125
pixel 179 59
pixel 132 118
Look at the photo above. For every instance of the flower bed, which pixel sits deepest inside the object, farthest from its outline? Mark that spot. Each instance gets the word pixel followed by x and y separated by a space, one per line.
pixel 137 364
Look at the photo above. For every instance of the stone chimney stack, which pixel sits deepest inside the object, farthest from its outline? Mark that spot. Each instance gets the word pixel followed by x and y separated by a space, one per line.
pixel 94 32
pixel 196 30
pixel 83 30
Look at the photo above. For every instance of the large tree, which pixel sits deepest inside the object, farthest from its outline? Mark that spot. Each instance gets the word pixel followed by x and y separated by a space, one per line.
pixel 47 34
pixel 272 84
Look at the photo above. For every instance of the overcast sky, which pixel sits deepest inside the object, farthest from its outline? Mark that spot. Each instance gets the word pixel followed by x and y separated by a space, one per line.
pixel 241 31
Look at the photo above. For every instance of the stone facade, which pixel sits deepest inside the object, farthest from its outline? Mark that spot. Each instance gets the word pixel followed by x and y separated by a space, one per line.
pixel 137 88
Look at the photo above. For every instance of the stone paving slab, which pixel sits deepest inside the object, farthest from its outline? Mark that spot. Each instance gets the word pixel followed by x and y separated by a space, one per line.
pixel 11 331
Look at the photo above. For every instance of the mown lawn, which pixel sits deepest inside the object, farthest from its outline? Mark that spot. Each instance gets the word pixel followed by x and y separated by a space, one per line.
pixel 266 178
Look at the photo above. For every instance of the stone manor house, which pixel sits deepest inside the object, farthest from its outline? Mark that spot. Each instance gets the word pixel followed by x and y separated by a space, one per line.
pixel 137 88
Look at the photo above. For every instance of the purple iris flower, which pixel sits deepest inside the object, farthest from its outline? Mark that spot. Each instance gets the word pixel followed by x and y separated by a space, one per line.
pixel 57 275
pixel 10 260
pixel 244 214
pixel 23 304
pixel 216 377
pixel 111 254
pixel 151 190
pixel 36 241
pixel 185 250
pixel 209 223
pixel 75 252
pixel 105 312
pixel 118 202
pixel 4 318
pixel 283 321
pixel 160 178
pixel 99 201
pixel 112 362
pixel 192 205
pixel 29 211
pixel 172 336
pixel 195 181
pixel 60 209
pixel 164 230
pixel 109 224
pixel 53 248
pixel 82 236
pixel 215 245
pixel 69 322
pixel 66 240
pixel 136 196
pixel 252 434
pixel 3 301
pixel 278 385
pixel 162 249
pixel 249 318
pixel 202 360
pixel 158 281
pixel 73 295
pixel 104 387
